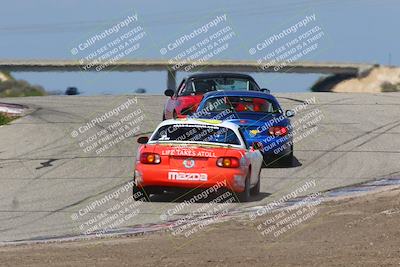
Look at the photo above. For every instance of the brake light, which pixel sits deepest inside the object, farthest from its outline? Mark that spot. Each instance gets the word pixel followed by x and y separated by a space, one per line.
pixel 150 158
pixel 228 162
pixel 278 131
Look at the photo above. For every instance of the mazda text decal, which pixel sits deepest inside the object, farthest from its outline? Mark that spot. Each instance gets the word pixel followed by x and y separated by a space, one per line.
pixel 183 176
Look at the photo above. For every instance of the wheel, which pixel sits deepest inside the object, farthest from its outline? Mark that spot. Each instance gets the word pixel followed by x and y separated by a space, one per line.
pixel 245 195
pixel 139 194
pixel 256 189
pixel 288 159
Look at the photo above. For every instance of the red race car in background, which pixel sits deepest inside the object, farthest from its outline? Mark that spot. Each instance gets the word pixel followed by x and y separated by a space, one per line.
pixel 189 153
pixel 185 100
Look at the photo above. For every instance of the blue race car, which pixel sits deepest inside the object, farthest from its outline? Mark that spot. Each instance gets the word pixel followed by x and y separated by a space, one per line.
pixel 262 121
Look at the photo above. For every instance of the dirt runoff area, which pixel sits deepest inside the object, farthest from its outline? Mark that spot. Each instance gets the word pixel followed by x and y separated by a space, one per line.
pixel 361 231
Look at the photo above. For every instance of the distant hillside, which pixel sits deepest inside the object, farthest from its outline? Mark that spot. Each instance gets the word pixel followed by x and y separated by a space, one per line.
pixel 380 79
pixel 9 87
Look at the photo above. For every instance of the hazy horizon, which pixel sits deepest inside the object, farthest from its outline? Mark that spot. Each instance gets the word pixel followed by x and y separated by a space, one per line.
pixel 48 30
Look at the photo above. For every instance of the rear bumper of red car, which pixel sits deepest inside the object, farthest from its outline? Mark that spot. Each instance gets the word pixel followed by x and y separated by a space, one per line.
pixel 147 175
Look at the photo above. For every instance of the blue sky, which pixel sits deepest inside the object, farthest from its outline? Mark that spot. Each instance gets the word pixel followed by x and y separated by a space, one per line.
pixel 354 31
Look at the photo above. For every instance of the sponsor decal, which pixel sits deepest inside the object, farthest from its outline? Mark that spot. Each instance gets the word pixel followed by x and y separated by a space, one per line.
pixel 164 137
pixel 196 126
pixel 210 121
pixel 179 152
pixel 254 132
pixel 187 153
pixel 185 176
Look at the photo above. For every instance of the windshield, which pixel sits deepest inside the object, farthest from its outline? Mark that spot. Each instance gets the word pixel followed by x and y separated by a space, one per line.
pixel 196 133
pixel 204 85
pixel 240 104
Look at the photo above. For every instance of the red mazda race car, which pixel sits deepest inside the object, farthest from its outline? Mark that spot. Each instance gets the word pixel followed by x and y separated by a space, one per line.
pixel 184 101
pixel 191 153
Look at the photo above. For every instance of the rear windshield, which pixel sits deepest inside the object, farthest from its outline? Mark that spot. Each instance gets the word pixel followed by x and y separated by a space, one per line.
pixel 240 104
pixel 196 133
pixel 200 86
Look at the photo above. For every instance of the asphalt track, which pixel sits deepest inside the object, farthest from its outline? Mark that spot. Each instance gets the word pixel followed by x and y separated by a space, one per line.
pixel 46 177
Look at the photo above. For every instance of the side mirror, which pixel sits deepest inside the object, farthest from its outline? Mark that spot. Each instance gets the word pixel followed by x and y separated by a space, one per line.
pixel 143 140
pixel 265 90
pixel 169 92
pixel 289 113
pixel 256 145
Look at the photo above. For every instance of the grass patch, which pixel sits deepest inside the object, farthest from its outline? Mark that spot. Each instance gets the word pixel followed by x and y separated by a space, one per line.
pixel 4 119
pixel 20 88
pixel 390 87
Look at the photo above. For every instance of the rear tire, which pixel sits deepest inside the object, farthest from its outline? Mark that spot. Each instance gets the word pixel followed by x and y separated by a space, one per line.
pixel 256 189
pixel 245 195
pixel 139 194
pixel 287 160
